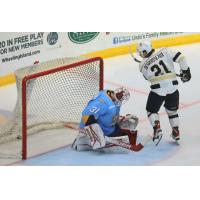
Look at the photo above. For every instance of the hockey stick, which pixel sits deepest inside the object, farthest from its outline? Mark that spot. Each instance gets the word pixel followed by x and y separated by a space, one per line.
pixel 179 75
pixel 110 140
pixel 132 55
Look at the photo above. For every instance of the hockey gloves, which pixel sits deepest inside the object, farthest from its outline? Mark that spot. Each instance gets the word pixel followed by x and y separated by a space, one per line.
pixel 185 75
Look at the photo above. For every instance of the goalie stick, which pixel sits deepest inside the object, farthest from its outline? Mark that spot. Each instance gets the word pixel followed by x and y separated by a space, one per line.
pixel 110 140
pixel 139 61
pixel 136 147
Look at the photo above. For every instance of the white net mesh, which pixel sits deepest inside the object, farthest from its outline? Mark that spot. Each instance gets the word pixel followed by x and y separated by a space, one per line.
pixel 56 93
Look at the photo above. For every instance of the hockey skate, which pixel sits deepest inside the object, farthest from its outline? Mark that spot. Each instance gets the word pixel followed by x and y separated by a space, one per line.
pixel 175 134
pixel 157 134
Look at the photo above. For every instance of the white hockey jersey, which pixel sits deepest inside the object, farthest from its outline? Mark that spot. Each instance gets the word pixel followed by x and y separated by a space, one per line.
pixel 159 70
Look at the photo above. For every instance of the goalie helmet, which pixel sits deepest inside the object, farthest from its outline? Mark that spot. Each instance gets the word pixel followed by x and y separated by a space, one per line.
pixel 122 95
pixel 144 48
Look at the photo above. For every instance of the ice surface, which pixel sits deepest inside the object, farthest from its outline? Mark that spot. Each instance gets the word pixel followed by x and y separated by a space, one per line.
pixel 122 70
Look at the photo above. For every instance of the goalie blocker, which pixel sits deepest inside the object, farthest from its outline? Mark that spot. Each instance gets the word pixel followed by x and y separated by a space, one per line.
pixel 92 137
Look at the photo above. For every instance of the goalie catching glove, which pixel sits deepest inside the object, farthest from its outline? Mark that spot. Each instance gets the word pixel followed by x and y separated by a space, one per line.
pixel 128 122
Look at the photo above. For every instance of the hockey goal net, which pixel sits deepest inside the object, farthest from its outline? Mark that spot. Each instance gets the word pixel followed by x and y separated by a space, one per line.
pixel 50 95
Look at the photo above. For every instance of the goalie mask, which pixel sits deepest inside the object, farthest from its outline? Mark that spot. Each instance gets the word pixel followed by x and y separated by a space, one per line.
pixel 122 95
pixel 144 48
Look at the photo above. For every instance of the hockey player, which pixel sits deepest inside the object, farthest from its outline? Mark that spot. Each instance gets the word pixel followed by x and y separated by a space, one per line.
pixel 101 120
pixel 158 68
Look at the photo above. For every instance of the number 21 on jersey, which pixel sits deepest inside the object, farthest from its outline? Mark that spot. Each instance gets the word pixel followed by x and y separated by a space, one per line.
pixel 158 68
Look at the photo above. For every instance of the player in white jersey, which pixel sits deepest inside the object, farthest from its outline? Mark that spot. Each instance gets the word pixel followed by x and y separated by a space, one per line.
pixel 158 68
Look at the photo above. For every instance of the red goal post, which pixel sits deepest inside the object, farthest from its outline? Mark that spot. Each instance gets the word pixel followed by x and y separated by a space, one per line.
pixel 51 94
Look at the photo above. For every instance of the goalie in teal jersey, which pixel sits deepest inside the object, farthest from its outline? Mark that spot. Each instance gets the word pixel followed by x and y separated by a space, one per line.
pixel 104 110
pixel 101 118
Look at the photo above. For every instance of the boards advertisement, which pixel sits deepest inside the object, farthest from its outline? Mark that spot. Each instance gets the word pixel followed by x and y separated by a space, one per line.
pixel 20 49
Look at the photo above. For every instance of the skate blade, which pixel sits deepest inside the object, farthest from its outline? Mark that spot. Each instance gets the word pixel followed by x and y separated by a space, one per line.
pixel 177 142
pixel 157 141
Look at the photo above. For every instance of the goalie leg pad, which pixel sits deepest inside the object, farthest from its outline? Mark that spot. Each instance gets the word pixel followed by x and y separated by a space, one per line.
pixel 82 143
pixel 96 136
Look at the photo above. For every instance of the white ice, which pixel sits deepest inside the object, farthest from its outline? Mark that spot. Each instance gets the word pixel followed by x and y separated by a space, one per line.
pixel 122 70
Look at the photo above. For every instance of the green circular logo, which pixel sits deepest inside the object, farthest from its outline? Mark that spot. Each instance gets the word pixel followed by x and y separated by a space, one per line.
pixel 82 37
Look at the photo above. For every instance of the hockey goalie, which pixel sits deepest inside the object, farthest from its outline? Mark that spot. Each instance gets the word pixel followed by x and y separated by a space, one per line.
pixel 101 125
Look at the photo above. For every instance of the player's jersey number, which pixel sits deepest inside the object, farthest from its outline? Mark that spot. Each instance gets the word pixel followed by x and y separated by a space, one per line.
pixel 157 68
pixel 94 109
